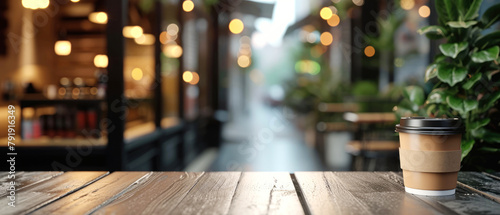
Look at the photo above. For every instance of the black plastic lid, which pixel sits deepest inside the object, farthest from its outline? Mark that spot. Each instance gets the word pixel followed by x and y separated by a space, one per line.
pixel 430 126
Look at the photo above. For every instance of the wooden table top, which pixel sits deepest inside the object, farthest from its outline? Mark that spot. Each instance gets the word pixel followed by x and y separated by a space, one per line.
pixel 240 193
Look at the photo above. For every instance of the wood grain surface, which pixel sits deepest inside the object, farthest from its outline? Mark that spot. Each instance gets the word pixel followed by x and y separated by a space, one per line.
pixel 464 201
pixel 94 195
pixel 211 195
pixel 25 179
pixel 357 193
pixel 48 191
pixel 481 183
pixel 265 193
pixel 243 193
pixel 159 193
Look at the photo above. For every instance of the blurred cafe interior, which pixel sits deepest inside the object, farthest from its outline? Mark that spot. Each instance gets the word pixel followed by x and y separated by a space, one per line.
pixel 209 85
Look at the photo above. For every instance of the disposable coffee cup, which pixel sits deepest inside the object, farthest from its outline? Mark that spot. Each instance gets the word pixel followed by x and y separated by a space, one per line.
pixel 430 154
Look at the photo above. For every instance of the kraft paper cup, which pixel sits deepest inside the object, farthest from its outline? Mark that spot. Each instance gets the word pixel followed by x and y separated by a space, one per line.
pixel 430 154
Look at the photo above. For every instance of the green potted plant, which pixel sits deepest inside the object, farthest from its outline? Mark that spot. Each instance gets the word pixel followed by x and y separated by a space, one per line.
pixel 465 80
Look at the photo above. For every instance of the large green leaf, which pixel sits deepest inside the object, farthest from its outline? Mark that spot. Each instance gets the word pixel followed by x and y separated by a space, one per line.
pixel 433 31
pixel 486 135
pixel 485 55
pixel 488 40
pixel 470 83
pixel 451 9
pixel 431 72
pixel 473 9
pixel 437 96
pixel 453 49
pixel 466 147
pixel 461 24
pixel 490 16
pixel 456 104
pixel 479 124
pixel 460 105
pixel 441 11
pixel 451 74
pixel 470 104
pixel 415 94
pixel 489 101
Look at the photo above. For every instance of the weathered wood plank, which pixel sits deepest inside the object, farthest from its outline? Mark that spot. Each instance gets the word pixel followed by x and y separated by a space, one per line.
pixel 25 179
pixel 482 184
pixel 357 193
pixel 94 195
pixel 265 193
pixel 495 175
pixel 463 202
pixel 318 195
pixel 211 195
pixel 159 193
pixel 48 191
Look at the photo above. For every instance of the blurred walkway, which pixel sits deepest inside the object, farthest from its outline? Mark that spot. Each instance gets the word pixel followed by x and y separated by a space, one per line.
pixel 265 140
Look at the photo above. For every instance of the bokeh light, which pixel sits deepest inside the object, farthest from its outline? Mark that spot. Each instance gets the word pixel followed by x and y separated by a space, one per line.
pixel 187 76
pixel 326 38
pixel 236 26
pixel 358 2
pixel 407 4
pixel 98 17
pixel 172 50
pixel 424 11
pixel 244 61
pixel 101 61
pixel 334 20
pixel 188 5
pixel 35 4
pixel 62 47
pixel 137 74
pixel 325 13
pixel 145 39
pixel 195 79
pixel 132 31
pixel 369 51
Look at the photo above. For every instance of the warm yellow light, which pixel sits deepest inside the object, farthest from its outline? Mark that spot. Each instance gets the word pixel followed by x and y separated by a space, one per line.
pixel 98 17
pixel 407 4
pixel 187 76
pixel 137 74
pixel 75 1
pixel 132 31
pixel 244 61
pixel 424 11
pixel 188 5
pixel 358 2
pixel 195 79
pixel 145 39
pixel 326 38
pixel 101 61
pixel 172 51
pixel 236 26
pixel 334 20
pixel 42 4
pixel 325 13
pixel 62 47
pixel 369 51
pixel 35 4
